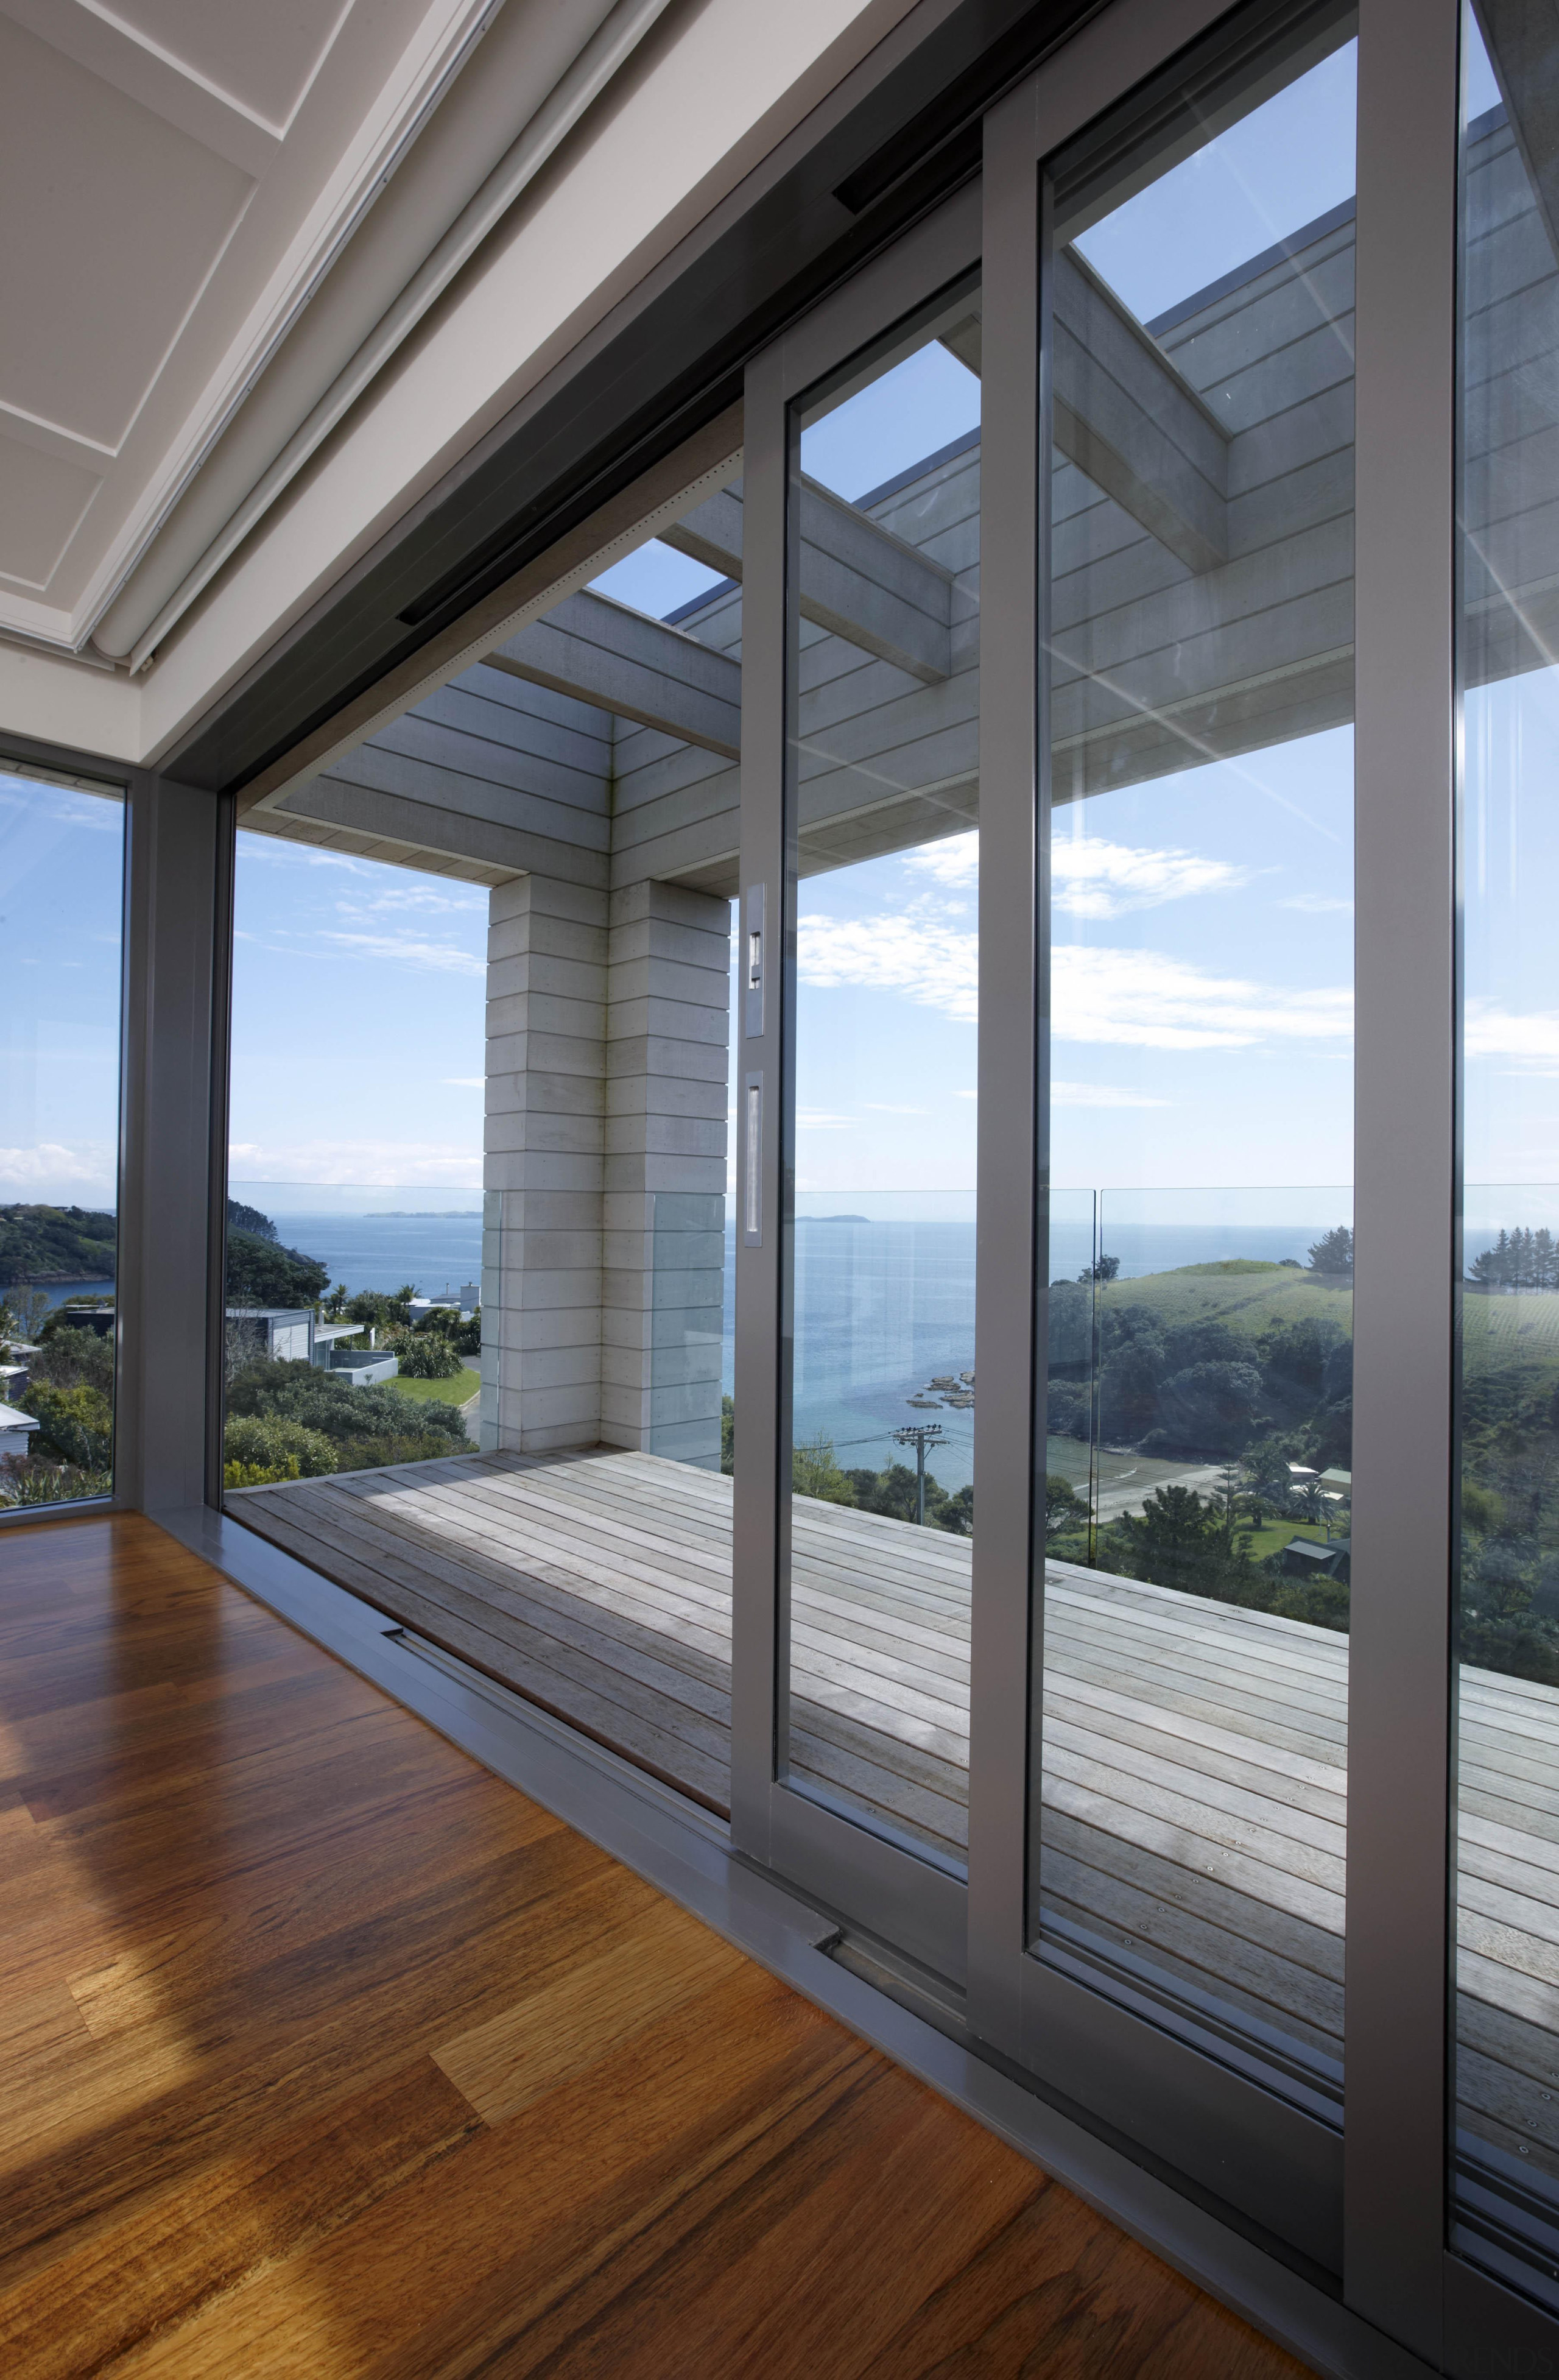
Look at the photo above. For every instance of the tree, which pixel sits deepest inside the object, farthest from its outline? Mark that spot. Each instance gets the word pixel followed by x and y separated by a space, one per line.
pixel 728 1436
pixel 23 1313
pixel 1333 1252
pixel 813 1471
pixel 1102 1268
pixel 76 1423
pixel 1209 1408
pixel 1181 1539
pixel 262 1273
pixel 249 1219
pixel 1064 1509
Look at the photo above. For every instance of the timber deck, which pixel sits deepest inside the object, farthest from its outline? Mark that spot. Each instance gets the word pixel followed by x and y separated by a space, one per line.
pixel 1194 1759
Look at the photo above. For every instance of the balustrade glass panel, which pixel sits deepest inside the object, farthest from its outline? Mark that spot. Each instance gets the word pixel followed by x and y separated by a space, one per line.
pixel 879 1227
pixel 1507 2145
pixel 1188 1840
pixel 61 895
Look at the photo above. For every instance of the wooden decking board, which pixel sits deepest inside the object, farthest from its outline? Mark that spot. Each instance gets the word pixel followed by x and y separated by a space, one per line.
pixel 1194 1778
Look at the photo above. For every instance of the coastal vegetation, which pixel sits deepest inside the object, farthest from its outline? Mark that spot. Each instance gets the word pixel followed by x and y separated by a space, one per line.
pixel 46 1245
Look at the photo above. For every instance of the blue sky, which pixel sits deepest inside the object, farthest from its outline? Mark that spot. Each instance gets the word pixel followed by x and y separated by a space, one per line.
pixel 61 902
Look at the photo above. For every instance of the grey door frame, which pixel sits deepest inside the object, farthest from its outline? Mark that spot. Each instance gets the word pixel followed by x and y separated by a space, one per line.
pixel 171 1127
pixel 887 1888
pixel 1368 2201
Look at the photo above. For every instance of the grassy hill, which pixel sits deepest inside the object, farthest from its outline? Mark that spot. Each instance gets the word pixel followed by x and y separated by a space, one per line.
pixel 1247 1296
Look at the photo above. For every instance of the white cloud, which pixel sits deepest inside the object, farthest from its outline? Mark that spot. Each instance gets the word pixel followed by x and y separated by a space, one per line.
pixel 53 1168
pixel 1319 904
pixel 819 1120
pixel 1093 879
pixel 935 965
pixel 466 1082
pixel 881 1107
pixel 966 1095
pixel 443 958
pixel 1146 1000
pixel 1531 1039
pixel 370 1164
pixel 954 861
pixel 1143 1000
pixel 1101 1095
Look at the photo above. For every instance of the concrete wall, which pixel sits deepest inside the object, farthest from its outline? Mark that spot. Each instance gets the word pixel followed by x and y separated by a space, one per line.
pixel 607 1039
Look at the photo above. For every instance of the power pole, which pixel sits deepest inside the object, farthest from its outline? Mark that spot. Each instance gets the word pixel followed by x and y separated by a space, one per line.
pixel 918 1436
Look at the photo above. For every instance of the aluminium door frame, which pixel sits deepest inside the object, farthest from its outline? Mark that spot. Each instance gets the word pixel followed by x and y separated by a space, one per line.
pixel 891 1889
pixel 1276 2160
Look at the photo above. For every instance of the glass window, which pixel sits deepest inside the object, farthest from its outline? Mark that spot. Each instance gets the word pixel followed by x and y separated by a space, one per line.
pixel 879 1270
pixel 61 895
pixel 1506 2163
pixel 1189 1848
pixel 353 1328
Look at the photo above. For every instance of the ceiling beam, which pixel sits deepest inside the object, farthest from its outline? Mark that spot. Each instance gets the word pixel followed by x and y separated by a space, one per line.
pixel 1128 420
pixel 623 662
pixel 858 580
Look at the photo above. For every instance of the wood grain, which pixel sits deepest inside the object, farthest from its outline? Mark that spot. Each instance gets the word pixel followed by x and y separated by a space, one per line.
pixel 325 2054
pixel 1193 1774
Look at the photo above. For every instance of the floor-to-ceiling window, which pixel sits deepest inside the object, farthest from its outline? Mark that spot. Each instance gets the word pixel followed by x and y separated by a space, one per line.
pixel 1188 1840
pixel 879 1289
pixel 61 886
pixel 1507 1722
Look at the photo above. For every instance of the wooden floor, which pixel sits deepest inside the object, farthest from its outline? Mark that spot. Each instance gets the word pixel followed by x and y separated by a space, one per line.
pixel 326 2054
pixel 1194 1780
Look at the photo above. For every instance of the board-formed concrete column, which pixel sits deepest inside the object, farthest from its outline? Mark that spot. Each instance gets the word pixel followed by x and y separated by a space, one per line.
pixel 663 1242
pixel 546 1081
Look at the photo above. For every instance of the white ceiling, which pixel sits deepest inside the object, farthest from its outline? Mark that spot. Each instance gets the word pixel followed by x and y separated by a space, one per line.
pixel 177 178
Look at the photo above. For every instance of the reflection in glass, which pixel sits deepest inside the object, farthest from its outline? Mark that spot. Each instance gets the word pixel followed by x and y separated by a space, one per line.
pixel 61 886
pixel 880 1285
pixel 1189 1850
pixel 1507 2148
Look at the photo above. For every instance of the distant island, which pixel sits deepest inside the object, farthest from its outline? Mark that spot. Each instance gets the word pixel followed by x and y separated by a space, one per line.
pixel 833 1218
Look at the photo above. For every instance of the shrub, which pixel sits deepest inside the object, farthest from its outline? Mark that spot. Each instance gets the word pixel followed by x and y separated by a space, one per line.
pixel 258 1475
pixel 77 1424
pixel 269 1442
pixel 425 1354
pixel 75 1359
pixel 261 1273
pixel 323 1401
pixel 25 1480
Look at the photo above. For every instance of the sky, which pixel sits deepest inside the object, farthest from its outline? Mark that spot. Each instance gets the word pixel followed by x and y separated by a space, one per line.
pixel 1202 967
pixel 62 857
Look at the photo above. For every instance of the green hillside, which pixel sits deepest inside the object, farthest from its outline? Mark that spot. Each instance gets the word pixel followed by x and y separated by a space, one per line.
pixel 42 1244
pixel 1245 1297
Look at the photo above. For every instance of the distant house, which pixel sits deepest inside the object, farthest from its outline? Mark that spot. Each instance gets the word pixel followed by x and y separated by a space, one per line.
pixel 16 1430
pixel 292 1334
pixel 1307 1558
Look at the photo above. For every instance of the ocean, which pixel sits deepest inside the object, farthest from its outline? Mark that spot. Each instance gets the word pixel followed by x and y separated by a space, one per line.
pixel 881 1306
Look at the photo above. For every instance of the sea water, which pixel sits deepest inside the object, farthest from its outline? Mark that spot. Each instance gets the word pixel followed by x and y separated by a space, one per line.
pixel 880 1306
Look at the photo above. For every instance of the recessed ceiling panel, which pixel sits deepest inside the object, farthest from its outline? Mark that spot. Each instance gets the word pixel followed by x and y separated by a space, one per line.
pixel 262 56
pixel 42 499
pixel 113 219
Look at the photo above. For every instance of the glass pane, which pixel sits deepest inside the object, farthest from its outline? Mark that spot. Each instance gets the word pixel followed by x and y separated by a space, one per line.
pixel 1507 2164
pixel 1190 1839
pixel 884 887
pixel 61 894
pixel 479 1328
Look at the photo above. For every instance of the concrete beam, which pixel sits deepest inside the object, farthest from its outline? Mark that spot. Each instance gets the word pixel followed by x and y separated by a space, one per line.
pixel 622 661
pixel 1519 38
pixel 1126 418
pixel 858 580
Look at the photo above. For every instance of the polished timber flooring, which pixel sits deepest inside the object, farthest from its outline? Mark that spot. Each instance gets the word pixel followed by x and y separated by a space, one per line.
pixel 1194 1763
pixel 327 2054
